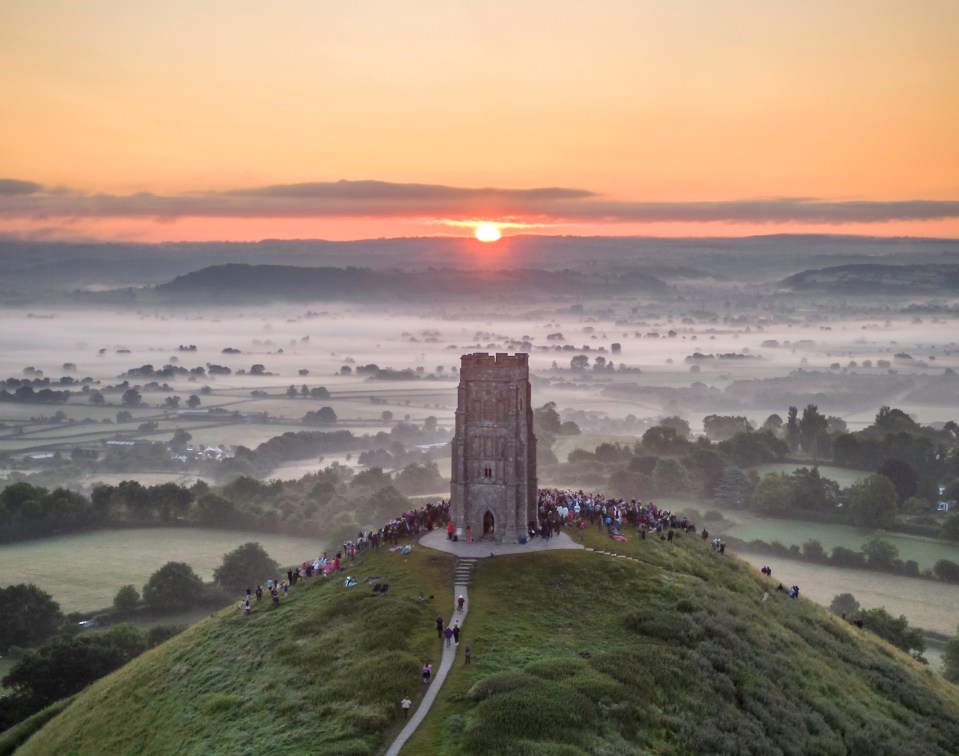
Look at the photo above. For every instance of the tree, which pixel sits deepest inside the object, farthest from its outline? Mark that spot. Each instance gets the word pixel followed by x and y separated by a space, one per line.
pixel 772 495
pixel 547 418
pixel 950 527
pixel 579 362
pixel 773 424
pixel 213 509
pixel 670 477
pixel 244 567
pixel 663 439
pixel 28 616
pixel 678 424
pixel 873 502
pixel 193 401
pixel 811 491
pixel 844 603
pixel 172 402
pixel 126 600
pixel 721 427
pixel 67 665
pixel 319 392
pixel 734 488
pixel 813 551
pixel 894 420
pixel 880 554
pixel 322 416
pixel 175 586
pixel 895 630
pixel 420 479
pixel 792 428
pixel 386 416
pixel 131 398
pixel 902 475
pixel 96 398
pixel 753 448
pixel 946 570
pixel 812 427
pixel 180 439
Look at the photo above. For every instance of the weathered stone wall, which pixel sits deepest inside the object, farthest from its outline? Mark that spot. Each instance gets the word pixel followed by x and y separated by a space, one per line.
pixel 494 449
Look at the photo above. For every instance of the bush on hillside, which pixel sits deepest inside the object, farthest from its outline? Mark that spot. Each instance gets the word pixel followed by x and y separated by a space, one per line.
pixel 844 603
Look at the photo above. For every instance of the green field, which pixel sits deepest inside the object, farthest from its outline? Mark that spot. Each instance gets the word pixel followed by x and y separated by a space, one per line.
pixel 83 572
pixel 748 527
pixel 844 476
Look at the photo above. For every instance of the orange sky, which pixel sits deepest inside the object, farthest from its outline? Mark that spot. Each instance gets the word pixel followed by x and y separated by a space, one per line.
pixel 237 120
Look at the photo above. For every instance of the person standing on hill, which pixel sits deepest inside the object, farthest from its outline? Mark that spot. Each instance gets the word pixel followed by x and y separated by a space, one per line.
pixel 439 628
pixel 468 655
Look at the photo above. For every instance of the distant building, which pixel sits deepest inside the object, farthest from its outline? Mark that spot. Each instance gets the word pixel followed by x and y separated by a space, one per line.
pixel 493 487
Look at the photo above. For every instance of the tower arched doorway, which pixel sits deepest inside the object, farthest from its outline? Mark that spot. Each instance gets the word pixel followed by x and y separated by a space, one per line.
pixel 489 524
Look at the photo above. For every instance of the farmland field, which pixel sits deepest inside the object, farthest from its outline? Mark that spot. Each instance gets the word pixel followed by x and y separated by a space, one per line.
pixel 926 604
pixel 84 572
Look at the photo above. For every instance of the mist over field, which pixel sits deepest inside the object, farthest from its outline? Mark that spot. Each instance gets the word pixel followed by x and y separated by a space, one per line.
pixel 226 350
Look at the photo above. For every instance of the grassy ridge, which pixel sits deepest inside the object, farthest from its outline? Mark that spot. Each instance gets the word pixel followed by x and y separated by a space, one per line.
pixel 670 652
pixel 323 673
pixel 675 653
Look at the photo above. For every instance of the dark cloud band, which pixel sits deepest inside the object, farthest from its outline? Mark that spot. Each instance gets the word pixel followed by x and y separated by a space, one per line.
pixel 28 200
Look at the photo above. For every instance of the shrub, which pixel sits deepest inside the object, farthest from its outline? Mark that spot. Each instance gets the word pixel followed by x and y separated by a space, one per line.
pixel 844 603
pixel 946 570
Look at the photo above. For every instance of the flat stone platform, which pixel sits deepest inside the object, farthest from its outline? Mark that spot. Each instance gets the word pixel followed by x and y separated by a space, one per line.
pixel 436 539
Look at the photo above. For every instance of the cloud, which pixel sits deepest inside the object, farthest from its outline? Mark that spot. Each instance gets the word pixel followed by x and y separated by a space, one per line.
pixel 543 205
pixel 14 186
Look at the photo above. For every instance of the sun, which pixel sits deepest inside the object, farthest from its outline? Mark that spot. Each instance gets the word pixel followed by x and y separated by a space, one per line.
pixel 488 232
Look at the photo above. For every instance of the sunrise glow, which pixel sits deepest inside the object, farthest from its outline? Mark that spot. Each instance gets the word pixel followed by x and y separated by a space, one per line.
pixel 488 232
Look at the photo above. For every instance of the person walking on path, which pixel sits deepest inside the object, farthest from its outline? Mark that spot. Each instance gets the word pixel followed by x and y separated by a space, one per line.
pixel 460 601
pixel 456 633
pixel 468 654
pixel 427 671
pixel 448 634
pixel 405 705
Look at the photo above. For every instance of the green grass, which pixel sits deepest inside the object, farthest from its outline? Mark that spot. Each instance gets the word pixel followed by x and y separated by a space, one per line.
pixel 84 571
pixel 322 674
pixel 683 657
pixel 574 652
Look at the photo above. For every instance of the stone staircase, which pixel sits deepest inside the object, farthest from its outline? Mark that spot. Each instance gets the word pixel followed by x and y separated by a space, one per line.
pixel 464 568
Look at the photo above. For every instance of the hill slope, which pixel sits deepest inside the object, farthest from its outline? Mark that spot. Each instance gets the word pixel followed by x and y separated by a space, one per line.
pixel 673 651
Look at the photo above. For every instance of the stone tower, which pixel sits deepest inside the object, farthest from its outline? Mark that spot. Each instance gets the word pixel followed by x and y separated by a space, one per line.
pixel 494 449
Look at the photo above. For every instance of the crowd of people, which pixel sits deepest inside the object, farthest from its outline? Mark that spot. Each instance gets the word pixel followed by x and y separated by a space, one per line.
pixel 558 509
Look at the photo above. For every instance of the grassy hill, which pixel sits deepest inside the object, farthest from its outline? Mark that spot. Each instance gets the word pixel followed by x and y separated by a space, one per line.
pixel 672 651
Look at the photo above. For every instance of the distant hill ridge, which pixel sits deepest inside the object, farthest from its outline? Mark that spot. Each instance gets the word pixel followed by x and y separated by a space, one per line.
pixel 875 278
pixel 287 282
